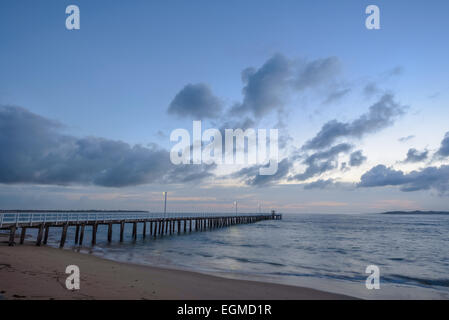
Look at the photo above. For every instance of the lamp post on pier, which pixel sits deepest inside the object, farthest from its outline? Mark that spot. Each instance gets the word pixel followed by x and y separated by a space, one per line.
pixel 165 204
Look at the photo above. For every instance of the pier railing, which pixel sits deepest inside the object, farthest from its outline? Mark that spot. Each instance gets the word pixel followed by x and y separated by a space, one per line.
pixel 158 225
pixel 11 218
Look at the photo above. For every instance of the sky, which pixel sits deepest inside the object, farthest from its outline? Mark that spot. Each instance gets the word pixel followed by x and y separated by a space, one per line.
pixel 86 115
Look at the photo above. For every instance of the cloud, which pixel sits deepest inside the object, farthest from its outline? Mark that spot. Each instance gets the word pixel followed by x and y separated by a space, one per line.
pixel 241 123
pixel 356 158
pixel 319 184
pixel 197 101
pixel 317 72
pixel 436 178
pixel 407 138
pixel 414 155
pixel 396 71
pixel 322 161
pixel 265 88
pixel 380 115
pixel 189 173
pixel 38 153
pixel 444 148
pixel 380 175
pixel 371 89
pixel 251 176
pixel 336 95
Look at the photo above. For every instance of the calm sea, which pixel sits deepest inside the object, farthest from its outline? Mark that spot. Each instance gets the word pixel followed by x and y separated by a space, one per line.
pixel 328 252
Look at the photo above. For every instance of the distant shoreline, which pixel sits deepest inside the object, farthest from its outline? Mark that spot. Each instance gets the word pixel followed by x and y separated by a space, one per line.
pixel 417 212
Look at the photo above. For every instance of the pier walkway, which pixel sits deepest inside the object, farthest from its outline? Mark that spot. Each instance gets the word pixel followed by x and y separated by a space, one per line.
pixel 154 225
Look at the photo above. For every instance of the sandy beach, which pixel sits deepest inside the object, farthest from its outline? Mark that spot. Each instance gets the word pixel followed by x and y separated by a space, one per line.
pixel 30 272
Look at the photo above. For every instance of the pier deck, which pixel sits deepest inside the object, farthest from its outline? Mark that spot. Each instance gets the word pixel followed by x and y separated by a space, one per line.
pixel 155 225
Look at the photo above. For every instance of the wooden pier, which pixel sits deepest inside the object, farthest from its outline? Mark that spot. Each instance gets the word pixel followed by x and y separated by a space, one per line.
pixel 152 226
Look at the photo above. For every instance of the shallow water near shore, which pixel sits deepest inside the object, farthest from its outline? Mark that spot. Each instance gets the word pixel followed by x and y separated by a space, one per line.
pixel 326 252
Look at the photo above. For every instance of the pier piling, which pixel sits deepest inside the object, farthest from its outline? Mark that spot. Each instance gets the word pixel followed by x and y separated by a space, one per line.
pixel 63 235
pixel 22 235
pixel 94 234
pixel 134 230
pixel 47 230
pixel 82 234
pixel 39 235
pixel 158 226
pixel 77 233
pixel 12 234
pixel 109 232
pixel 122 230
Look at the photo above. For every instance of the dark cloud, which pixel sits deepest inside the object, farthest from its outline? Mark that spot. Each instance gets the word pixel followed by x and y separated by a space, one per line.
pixel 197 101
pixel 414 155
pixel 357 158
pixel 322 161
pixel 444 148
pixel 189 173
pixel 319 184
pixel 382 176
pixel 240 123
pixel 436 178
pixel 35 151
pixel 265 88
pixel 380 115
pixel 251 176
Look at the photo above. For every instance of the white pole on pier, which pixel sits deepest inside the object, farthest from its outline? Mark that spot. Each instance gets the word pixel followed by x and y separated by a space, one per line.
pixel 165 204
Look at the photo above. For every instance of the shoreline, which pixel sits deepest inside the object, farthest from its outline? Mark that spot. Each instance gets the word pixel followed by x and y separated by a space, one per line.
pixel 30 272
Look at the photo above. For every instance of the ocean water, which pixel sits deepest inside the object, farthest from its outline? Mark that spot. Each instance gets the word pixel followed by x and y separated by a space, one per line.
pixel 327 252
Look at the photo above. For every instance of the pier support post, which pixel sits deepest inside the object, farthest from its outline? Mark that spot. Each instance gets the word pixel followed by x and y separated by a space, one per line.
pixel 39 235
pixel 94 234
pixel 151 228
pixel 134 230
pixel 12 234
pixel 82 234
pixel 185 225
pixel 47 230
pixel 77 233
pixel 190 227
pixel 144 229
pixel 155 229
pixel 122 230
pixel 22 235
pixel 179 226
pixel 109 232
pixel 63 235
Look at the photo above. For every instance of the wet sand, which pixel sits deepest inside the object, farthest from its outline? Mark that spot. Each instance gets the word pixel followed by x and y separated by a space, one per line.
pixel 30 272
